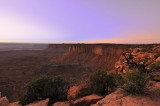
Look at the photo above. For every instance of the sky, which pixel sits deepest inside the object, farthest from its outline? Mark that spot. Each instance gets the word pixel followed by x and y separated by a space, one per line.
pixel 80 21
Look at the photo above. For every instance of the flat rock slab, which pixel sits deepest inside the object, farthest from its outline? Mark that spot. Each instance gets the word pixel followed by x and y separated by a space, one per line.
pixel 61 104
pixel 87 100
pixel 39 103
pixel 122 98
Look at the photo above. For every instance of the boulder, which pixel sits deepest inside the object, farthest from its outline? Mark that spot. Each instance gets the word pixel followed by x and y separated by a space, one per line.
pixel 39 103
pixel 4 101
pixel 158 59
pixel 150 61
pixel 61 104
pixel 122 98
pixel 73 91
pixel 14 104
pixel 87 100
pixel 119 93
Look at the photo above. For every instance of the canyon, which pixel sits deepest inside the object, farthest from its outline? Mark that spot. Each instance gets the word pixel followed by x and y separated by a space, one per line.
pixel 95 56
pixel 74 62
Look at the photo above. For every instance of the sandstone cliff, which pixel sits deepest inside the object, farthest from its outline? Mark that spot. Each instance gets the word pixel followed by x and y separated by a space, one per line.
pixel 97 56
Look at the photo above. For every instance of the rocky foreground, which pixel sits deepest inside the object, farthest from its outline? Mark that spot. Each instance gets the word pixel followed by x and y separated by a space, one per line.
pixel 122 98
pixel 117 98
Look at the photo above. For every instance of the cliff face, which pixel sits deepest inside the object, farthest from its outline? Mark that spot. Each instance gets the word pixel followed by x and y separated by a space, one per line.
pixel 97 56
pixel 103 50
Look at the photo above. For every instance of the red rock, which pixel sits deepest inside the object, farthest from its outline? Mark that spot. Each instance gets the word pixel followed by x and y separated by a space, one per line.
pixel 39 103
pixel 94 56
pixel 73 91
pixel 158 59
pixel 122 98
pixel 87 100
pixel 61 104
pixel 14 104
pixel 150 61
pixel 4 101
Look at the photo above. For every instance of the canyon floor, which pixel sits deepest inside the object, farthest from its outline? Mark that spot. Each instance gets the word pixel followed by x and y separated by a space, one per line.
pixel 17 68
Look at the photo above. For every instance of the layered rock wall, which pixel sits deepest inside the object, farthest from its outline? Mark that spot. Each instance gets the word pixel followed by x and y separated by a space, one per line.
pixel 98 56
pixel 105 50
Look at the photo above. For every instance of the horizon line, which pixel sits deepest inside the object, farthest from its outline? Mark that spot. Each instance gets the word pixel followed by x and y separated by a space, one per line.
pixel 43 42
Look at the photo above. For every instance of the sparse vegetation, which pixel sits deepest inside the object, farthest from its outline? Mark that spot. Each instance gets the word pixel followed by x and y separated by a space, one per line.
pixel 141 68
pixel 45 87
pixel 136 82
pixel 101 83
pixel 155 71
pixel 84 92
pixel 144 50
pixel 115 80
pixel 155 67
pixel 98 82
pixel 157 55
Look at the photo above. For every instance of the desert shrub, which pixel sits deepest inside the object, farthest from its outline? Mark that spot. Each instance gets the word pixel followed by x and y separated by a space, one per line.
pixel 144 50
pixel 84 92
pixel 103 83
pixel 136 82
pixel 140 67
pixel 155 66
pixel 115 80
pixel 54 88
pixel 138 51
pixel 155 71
pixel 98 82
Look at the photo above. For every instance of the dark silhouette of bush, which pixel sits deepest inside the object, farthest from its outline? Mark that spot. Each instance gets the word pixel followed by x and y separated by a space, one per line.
pixel 157 55
pixel 135 81
pixel 101 83
pixel 54 88
pixel 144 50
pixel 84 92
pixel 141 68
pixel 155 71
pixel 155 67
pixel 115 80
pixel 98 82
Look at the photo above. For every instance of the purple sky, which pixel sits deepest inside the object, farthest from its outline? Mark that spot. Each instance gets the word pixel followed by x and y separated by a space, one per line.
pixel 102 21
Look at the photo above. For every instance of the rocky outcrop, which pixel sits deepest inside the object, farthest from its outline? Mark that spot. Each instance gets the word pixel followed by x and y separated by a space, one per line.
pixel 93 56
pixel 122 98
pixel 106 50
pixel 39 103
pixel 61 104
pixel 99 56
pixel 14 104
pixel 73 91
pixel 3 101
pixel 136 56
pixel 87 100
pixel 158 59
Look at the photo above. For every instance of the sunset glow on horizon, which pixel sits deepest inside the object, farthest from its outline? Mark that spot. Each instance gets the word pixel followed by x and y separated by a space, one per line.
pixel 80 21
